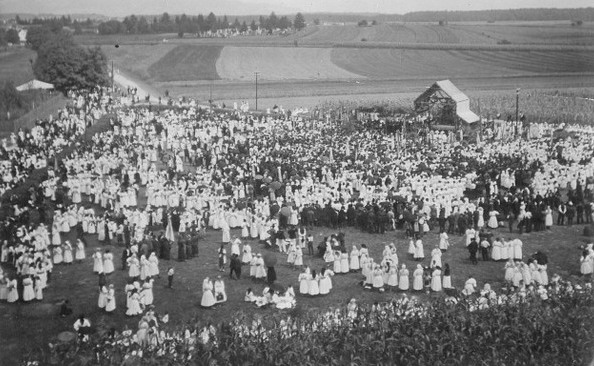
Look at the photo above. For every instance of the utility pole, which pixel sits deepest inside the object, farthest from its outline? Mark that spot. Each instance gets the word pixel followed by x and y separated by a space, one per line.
pixel 256 73
pixel 517 104
pixel 112 86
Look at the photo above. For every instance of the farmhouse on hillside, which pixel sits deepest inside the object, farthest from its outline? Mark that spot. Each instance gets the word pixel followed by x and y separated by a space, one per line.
pixel 446 108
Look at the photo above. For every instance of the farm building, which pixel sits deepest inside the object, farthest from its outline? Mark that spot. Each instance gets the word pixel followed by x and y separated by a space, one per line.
pixel 446 107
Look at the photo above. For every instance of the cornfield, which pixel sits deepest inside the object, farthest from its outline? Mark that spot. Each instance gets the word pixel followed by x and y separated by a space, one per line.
pixel 551 106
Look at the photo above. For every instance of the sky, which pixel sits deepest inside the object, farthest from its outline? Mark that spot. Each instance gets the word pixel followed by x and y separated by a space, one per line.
pixel 255 7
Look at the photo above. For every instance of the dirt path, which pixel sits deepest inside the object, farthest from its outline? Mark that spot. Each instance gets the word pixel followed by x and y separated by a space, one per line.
pixel 143 89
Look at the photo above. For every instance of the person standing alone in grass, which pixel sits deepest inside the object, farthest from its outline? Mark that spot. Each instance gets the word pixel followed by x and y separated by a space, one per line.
pixel 222 257
pixel 170 273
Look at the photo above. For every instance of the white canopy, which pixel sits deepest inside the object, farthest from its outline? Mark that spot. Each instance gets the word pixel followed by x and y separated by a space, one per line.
pixel 35 84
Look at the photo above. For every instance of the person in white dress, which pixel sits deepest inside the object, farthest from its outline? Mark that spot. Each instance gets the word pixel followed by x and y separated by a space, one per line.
pixel 146 294
pixel 102 301
pixel 419 251
pixel 133 266
pixel 28 291
pixel 97 261
pixel 247 254
pixel 493 222
pixel 354 265
pixel 469 286
pixel 253 266
pixel 418 278
pixel 444 241
pixel 336 265
pixel 208 299
pixel 80 251
pixel 447 277
pixel 313 286
pixel 344 262
pixel 497 249
pixel 219 291
pixel 153 265
pixel 13 293
pixel 378 278
pixel 134 308
pixel 548 218
pixel 108 267
pixel 325 281
pixel 436 254
pixel 303 279
pixel 67 250
pixel 260 268
pixel 393 277
pixel 298 257
pixel 110 304
pixel 517 245
pixel 57 254
pixel 587 263
pixel 38 288
pixel 436 284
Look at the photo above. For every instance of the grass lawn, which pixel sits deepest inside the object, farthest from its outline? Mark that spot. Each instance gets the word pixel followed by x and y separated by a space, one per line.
pixel 26 326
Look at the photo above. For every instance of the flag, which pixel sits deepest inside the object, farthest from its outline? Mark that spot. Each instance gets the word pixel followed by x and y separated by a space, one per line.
pixel 169 234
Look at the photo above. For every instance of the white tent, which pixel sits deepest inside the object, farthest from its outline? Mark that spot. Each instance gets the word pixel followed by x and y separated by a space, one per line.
pixel 35 84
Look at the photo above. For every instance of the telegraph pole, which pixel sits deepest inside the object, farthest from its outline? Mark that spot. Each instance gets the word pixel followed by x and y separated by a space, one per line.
pixel 517 104
pixel 112 86
pixel 256 73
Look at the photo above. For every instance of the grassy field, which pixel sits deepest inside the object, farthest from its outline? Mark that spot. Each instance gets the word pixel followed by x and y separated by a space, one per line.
pixel 187 63
pixel 275 63
pixel 136 59
pixel 393 63
pixel 34 324
pixel 15 65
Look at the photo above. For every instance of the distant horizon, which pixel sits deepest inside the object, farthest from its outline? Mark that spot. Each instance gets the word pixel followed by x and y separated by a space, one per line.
pixel 117 8
pixel 277 13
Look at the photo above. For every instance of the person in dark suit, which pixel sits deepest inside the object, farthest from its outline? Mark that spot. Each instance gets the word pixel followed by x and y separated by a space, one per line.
pixel 235 266
pixel 472 250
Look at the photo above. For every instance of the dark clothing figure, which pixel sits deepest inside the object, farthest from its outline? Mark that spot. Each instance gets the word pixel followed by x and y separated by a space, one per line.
pixel 570 214
pixel 472 250
pixel 235 267
pixel 181 251
pixel 271 276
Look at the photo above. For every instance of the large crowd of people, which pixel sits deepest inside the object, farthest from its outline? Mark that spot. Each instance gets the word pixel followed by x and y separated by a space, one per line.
pixel 159 176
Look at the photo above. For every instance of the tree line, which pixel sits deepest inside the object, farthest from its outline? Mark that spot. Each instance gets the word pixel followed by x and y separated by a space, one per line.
pixel 9 36
pixel 63 21
pixel 538 14
pixel 165 23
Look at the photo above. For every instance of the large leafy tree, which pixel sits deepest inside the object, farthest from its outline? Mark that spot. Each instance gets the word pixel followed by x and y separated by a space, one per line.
pixel 12 36
pixel 68 66
pixel 299 22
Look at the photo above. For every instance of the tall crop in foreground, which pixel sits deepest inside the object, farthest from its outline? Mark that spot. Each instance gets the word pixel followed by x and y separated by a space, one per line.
pixel 557 331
